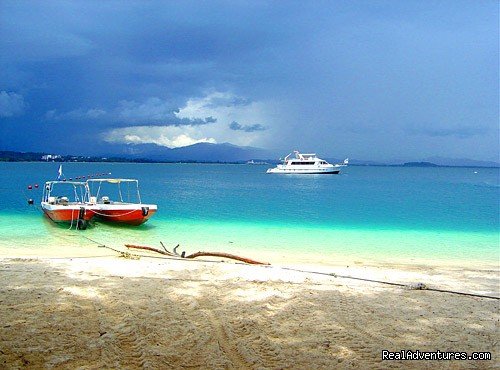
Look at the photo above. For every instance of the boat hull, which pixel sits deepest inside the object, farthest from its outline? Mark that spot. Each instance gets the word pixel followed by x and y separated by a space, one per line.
pixel 304 171
pixel 69 213
pixel 125 214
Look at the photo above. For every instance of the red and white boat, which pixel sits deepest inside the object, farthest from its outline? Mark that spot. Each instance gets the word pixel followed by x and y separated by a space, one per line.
pixel 119 211
pixel 61 209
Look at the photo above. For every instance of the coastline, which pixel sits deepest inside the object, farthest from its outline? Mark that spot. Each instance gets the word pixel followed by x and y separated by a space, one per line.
pixel 103 311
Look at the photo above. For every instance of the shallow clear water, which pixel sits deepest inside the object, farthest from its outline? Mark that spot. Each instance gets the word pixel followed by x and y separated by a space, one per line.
pixel 379 213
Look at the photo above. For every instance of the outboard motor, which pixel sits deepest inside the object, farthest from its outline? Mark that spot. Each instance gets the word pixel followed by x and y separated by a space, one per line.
pixel 145 211
pixel 81 224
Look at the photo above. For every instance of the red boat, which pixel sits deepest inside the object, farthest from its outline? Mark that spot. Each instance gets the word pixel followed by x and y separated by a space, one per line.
pixel 60 209
pixel 119 211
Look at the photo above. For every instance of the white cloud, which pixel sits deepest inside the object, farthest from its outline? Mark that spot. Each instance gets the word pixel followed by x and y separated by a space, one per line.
pixel 11 104
pixel 226 108
pixel 169 136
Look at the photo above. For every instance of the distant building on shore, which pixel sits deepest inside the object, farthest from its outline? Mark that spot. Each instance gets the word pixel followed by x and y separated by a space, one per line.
pixel 50 157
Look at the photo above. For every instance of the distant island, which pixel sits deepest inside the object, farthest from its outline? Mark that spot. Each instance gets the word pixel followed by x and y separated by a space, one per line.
pixel 420 164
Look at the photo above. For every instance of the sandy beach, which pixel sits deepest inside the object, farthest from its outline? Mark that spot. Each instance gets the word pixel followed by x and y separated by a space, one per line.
pixel 114 312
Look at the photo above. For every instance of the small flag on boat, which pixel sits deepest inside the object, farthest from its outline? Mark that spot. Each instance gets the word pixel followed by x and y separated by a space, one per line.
pixel 60 172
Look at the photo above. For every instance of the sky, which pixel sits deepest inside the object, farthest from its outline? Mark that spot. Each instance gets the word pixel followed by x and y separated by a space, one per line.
pixel 373 80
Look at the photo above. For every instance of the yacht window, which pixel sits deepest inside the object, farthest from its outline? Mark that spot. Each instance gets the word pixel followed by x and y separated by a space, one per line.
pixel 302 163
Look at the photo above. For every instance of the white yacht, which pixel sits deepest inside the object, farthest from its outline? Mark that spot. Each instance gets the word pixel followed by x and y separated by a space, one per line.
pixel 307 164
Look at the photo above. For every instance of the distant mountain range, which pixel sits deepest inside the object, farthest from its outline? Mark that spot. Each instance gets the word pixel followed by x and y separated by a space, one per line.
pixel 208 152
pixel 200 152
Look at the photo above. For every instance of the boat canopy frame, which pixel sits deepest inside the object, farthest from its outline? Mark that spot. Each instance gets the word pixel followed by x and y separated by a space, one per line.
pixel 84 190
pixel 118 182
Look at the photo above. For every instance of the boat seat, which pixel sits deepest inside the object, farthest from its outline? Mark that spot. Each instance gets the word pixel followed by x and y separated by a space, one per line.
pixel 62 201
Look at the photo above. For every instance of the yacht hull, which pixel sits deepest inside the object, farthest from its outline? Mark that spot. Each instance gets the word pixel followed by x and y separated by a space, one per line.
pixel 303 172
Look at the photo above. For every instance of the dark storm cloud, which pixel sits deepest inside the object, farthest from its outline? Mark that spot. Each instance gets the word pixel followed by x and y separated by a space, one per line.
pixel 345 77
pixel 247 128
pixel 152 112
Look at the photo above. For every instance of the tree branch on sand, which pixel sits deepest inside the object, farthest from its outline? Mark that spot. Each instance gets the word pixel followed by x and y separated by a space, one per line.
pixel 174 253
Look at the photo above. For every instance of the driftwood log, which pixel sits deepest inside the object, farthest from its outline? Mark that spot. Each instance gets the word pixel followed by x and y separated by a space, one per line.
pixel 166 252
pixel 226 255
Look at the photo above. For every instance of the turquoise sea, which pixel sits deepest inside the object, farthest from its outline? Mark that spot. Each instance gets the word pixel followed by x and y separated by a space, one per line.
pixel 370 214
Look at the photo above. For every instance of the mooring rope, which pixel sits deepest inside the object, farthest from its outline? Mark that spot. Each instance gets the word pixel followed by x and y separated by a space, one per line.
pixel 418 287
pixel 92 240
pixel 71 225
pixel 114 215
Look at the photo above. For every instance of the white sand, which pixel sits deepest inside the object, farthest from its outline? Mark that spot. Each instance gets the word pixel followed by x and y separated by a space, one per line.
pixel 111 312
